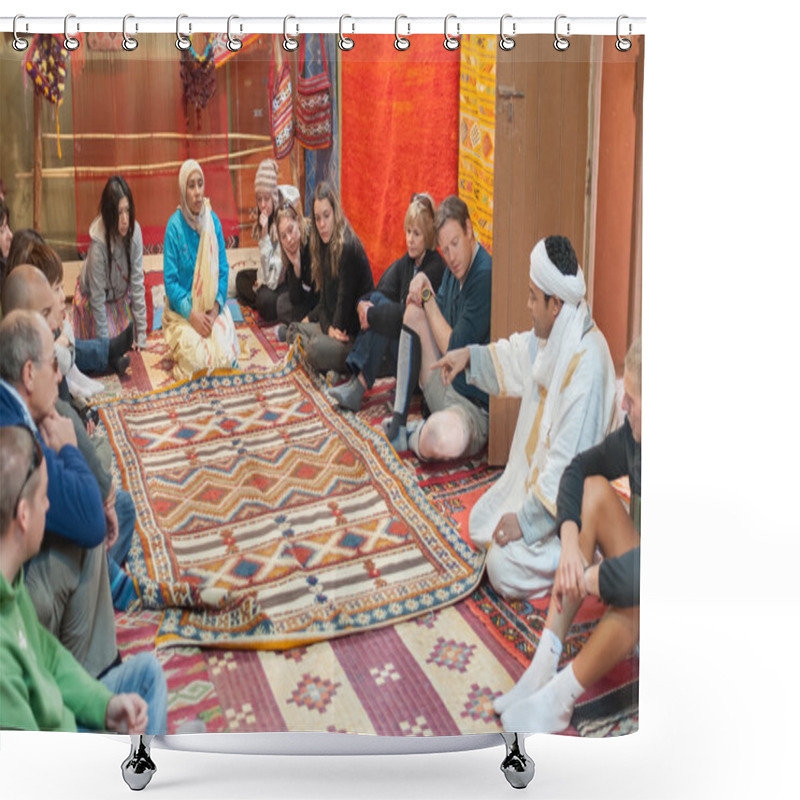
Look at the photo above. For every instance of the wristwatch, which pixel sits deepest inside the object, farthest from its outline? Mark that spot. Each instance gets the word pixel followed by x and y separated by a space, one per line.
pixel 426 295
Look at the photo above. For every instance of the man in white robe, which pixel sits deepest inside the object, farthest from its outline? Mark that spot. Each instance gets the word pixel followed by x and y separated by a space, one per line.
pixel 563 372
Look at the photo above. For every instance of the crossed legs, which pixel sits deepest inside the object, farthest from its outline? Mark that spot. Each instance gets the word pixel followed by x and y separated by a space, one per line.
pixel 543 701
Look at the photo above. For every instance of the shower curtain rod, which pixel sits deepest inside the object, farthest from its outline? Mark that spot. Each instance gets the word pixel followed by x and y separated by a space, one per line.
pixel 346 25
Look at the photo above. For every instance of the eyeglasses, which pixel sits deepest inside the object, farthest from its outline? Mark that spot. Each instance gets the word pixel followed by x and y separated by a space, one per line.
pixel 36 461
pixel 53 364
pixel 287 206
pixel 424 200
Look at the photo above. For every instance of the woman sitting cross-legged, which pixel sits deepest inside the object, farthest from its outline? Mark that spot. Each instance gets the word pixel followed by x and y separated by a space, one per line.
pixel 295 250
pixel 341 273
pixel 380 314
pixel 198 327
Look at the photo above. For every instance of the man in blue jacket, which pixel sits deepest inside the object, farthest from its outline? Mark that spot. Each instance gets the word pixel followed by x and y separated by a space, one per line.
pixel 435 323
pixel 68 579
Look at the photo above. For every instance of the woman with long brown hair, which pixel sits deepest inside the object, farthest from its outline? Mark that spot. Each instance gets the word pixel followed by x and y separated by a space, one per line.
pixel 341 273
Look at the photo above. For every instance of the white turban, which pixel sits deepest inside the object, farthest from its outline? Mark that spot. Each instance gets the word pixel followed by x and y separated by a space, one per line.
pixel 549 278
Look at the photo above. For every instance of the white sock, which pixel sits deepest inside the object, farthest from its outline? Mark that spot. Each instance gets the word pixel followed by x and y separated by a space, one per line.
pixel 541 670
pixel 414 429
pixel 547 711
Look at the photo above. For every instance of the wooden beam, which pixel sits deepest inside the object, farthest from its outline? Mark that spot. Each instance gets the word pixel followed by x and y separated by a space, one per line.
pixel 37 160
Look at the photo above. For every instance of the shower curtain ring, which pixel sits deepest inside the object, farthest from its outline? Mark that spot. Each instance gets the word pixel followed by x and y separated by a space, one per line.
pixel 560 42
pixel 128 42
pixel 400 42
pixel 506 42
pixel 19 44
pixel 623 45
pixel 450 42
pixel 290 44
pixel 345 42
pixel 70 42
pixel 234 44
pixel 182 42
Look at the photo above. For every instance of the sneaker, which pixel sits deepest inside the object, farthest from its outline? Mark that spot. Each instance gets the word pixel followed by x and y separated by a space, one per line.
pixel 400 441
pixel 349 395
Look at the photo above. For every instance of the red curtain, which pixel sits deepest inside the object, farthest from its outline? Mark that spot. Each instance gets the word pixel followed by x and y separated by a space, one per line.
pixel 399 136
pixel 136 96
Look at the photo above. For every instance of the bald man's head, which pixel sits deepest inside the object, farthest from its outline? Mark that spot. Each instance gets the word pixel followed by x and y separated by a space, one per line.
pixel 26 287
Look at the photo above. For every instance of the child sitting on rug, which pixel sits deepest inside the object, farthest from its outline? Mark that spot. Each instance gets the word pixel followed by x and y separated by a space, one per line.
pixel 590 515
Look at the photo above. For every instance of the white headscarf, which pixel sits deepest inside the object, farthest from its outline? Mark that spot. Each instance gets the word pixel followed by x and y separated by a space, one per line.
pixel 554 355
pixel 549 278
pixel 188 168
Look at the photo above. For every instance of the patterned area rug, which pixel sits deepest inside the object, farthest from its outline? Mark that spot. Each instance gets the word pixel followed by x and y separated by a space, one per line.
pixel 287 521
pixel 471 651
pixel 435 675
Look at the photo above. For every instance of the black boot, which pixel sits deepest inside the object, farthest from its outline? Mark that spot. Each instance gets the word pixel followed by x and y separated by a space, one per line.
pixel 117 347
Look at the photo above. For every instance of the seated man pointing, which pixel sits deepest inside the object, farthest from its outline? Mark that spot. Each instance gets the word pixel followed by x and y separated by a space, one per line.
pixel 563 372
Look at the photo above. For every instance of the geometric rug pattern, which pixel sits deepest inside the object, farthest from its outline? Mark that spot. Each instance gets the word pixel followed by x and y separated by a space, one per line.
pixel 289 521
pixel 234 690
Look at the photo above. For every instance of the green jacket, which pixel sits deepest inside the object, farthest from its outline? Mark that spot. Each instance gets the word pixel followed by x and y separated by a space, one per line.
pixel 42 687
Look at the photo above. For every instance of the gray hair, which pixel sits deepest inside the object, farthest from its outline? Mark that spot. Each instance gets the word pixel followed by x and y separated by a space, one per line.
pixel 20 341
pixel 16 445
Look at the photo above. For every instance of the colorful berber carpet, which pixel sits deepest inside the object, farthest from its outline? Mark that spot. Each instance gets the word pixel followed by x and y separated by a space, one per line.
pixel 269 520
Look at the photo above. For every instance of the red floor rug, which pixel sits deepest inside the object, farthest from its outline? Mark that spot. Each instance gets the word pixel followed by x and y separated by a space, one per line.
pixel 471 651
pixel 284 520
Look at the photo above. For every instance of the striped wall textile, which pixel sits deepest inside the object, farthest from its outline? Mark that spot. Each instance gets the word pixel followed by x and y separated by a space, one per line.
pixel 476 131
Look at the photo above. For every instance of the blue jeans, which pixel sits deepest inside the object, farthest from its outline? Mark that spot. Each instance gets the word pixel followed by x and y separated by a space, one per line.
pixel 126 516
pixel 91 355
pixel 370 350
pixel 142 674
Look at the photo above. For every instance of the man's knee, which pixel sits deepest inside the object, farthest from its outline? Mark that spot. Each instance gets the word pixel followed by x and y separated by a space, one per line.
pixel 414 317
pixel 597 493
pixel 444 436
pixel 501 570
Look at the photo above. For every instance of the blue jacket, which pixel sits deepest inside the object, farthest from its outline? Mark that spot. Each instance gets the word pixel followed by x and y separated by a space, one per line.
pixel 180 253
pixel 76 507
pixel 468 311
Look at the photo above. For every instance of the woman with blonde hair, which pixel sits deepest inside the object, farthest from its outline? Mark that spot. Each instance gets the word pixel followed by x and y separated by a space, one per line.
pixel 341 274
pixel 380 314
pixel 294 237
pixel 198 328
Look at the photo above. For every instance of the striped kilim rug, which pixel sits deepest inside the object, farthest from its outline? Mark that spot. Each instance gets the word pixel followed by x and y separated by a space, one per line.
pixel 435 675
pixel 272 520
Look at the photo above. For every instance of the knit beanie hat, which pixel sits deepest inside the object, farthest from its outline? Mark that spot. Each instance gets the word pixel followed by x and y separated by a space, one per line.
pixel 267 178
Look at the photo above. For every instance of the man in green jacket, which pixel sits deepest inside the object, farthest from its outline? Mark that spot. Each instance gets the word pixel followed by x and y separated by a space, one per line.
pixel 42 687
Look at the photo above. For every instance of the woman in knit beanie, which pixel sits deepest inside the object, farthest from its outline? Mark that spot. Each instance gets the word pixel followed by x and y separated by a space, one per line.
pixel 261 288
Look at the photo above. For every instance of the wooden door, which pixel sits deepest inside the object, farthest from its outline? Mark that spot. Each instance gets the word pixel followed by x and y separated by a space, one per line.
pixel 546 126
